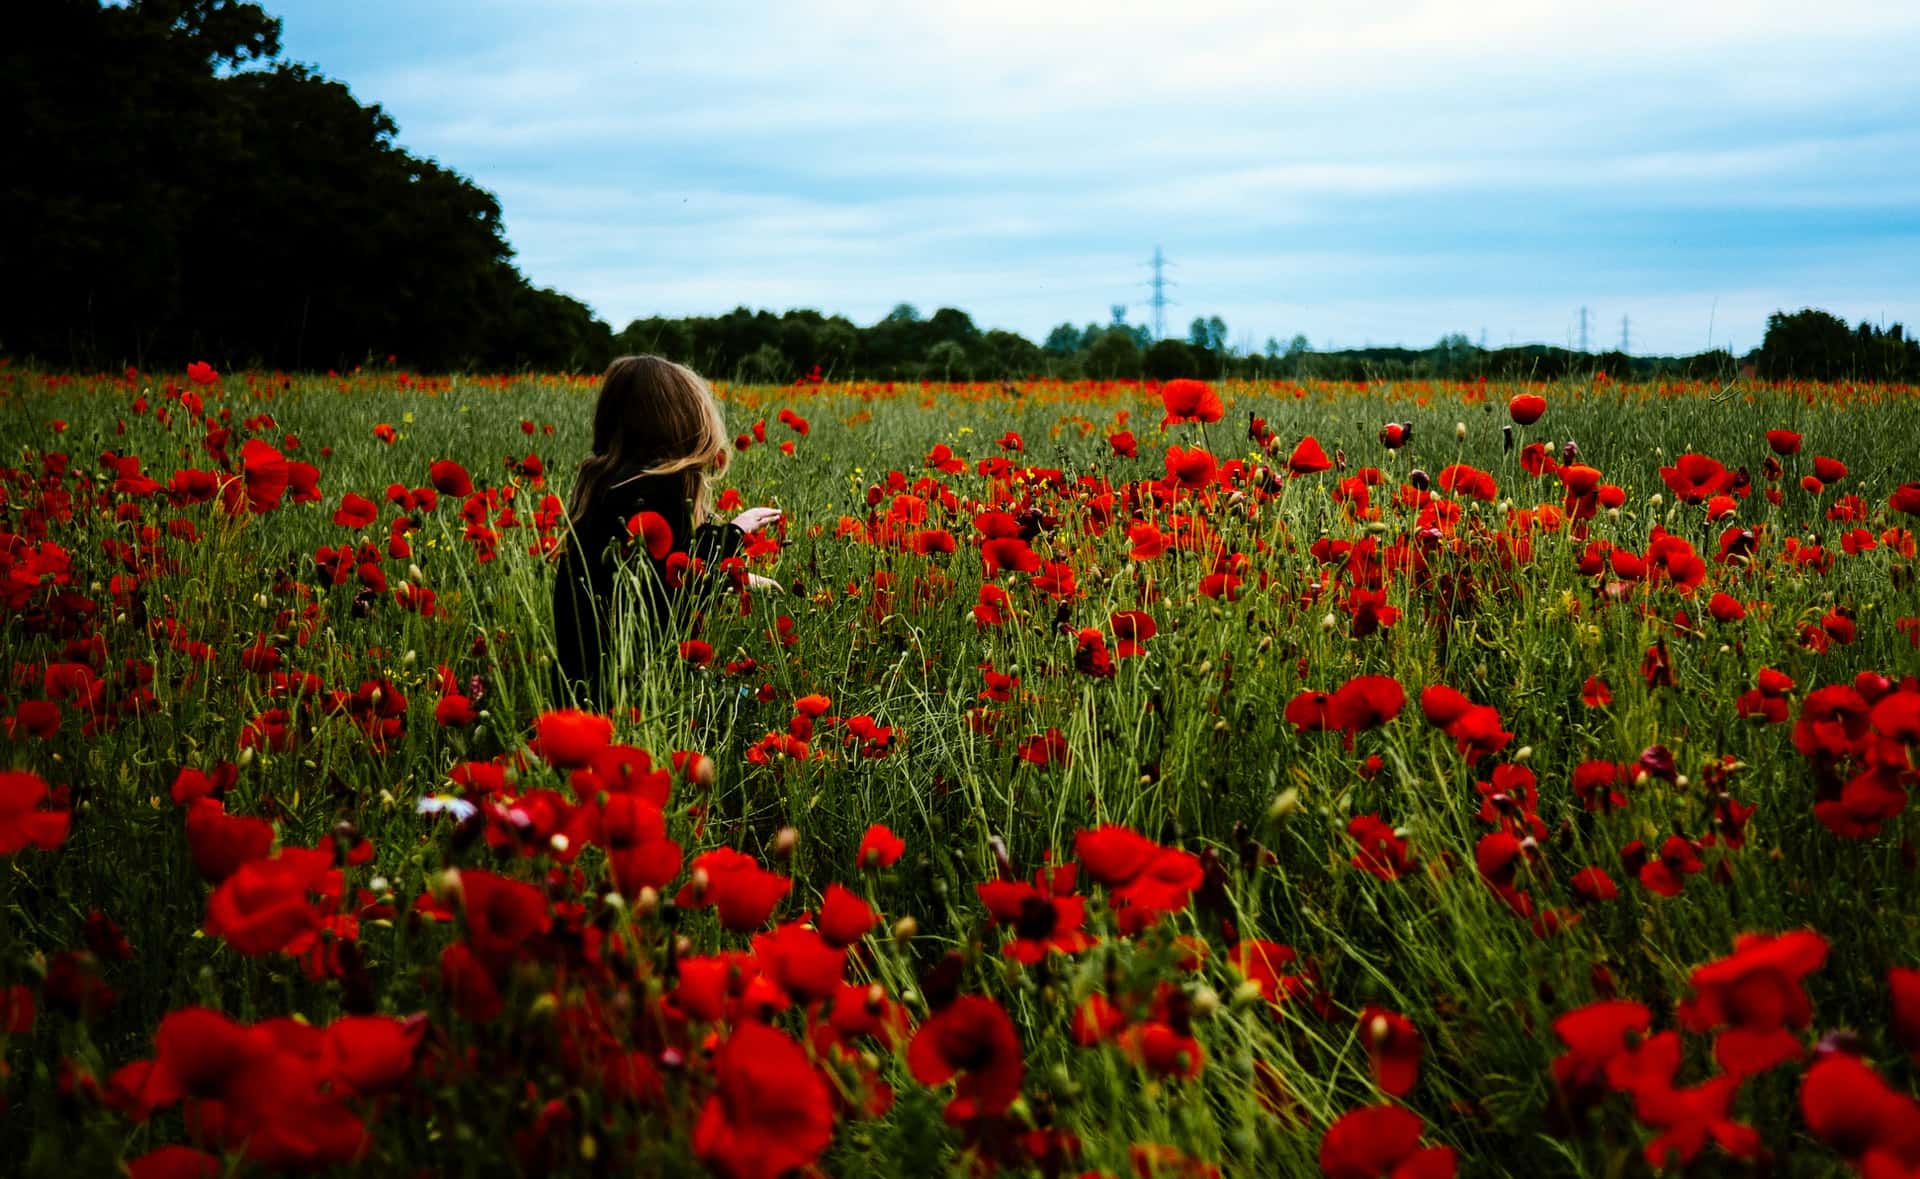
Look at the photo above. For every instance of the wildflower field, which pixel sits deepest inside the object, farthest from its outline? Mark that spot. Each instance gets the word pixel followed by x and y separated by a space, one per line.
pixel 1132 780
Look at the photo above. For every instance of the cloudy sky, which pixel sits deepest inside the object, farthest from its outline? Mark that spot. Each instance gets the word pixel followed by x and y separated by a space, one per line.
pixel 1425 168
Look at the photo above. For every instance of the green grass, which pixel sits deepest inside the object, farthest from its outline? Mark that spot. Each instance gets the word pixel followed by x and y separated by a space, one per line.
pixel 1187 744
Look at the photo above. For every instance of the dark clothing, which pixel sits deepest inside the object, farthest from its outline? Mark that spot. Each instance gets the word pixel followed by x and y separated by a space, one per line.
pixel 585 614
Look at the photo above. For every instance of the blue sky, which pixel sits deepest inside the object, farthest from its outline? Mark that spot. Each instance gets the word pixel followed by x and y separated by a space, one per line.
pixel 1384 178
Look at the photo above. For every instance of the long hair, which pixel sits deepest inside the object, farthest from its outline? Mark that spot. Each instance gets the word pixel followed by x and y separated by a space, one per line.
pixel 654 417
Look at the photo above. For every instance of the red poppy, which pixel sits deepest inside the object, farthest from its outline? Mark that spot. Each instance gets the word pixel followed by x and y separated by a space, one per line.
pixel 503 916
pixel 175 1162
pixel 742 893
pixel 450 478
pixel 655 534
pixel 770 1113
pixel 1666 873
pixel 1307 457
pixel 1472 482
pixel 1393 1049
pixel 221 843
pixel 1365 702
pixel 1040 919
pixel 1132 629
pixel 1148 541
pixel 844 918
pixel 264 475
pixel 1849 1107
pixel 879 848
pixel 1755 994
pixel 1783 442
pixel 1526 408
pixel 1188 400
pixel 801 961
pixel 355 511
pixel 1694 478
pixel 972 1038
pixel 25 817
pixel 1123 444
pixel 568 738
pixel 1045 749
pixel 1383 852
pixel 1903 985
pixel 1381 1141
pixel 1595 1035
pixel 1191 469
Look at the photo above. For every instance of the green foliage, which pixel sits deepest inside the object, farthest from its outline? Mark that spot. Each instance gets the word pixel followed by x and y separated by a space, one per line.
pixel 1816 345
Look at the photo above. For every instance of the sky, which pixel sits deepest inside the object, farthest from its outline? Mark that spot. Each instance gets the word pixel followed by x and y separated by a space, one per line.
pixel 1374 174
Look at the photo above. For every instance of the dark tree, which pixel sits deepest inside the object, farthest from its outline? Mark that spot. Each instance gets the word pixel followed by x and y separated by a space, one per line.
pixel 190 199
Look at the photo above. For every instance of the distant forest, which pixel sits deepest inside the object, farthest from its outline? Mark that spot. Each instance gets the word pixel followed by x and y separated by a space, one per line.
pixel 180 193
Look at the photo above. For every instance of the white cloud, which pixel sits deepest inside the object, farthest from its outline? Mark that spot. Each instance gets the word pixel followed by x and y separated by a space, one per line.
pixel 1308 165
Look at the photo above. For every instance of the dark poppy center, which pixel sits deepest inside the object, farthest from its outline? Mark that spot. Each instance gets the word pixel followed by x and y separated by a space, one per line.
pixel 1037 919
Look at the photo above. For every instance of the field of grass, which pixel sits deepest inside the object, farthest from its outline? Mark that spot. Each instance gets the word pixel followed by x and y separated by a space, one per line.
pixel 1129 781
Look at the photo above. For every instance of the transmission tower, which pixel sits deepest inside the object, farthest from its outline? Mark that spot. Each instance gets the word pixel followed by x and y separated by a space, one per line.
pixel 1583 330
pixel 1159 283
pixel 1625 338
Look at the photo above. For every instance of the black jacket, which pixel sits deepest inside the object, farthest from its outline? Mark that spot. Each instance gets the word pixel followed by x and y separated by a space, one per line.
pixel 585 609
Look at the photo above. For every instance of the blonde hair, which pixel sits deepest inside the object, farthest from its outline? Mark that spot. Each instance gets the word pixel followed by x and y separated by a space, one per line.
pixel 654 417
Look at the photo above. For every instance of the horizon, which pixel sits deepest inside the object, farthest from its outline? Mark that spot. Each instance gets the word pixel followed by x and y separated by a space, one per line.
pixel 1334 178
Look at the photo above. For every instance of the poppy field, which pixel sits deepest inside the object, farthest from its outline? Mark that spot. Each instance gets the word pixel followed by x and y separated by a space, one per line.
pixel 1165 780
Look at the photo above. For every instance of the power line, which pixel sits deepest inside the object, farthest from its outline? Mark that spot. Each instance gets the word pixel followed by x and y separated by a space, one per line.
pixel 1159 283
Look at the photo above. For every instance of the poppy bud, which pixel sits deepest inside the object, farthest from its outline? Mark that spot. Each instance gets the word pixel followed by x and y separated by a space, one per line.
pixel 1247 994
pixel 784 841
pixel 905 929
pixel 1523 754
pixel 1205 1001
pixel 1284 804
pixel 701 771
pixel 558 843
pixel 1378 1030
pixel 1418 479
pixel 445 887
pixel 1569 452
pixel 1506 439
pixel 1459 431
pixel 415 575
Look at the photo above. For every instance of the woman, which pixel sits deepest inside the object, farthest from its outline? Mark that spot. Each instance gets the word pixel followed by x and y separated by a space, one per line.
pixel 658 442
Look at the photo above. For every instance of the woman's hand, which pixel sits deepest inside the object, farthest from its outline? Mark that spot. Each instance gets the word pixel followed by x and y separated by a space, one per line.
pixel 754 519
pixel 766 584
